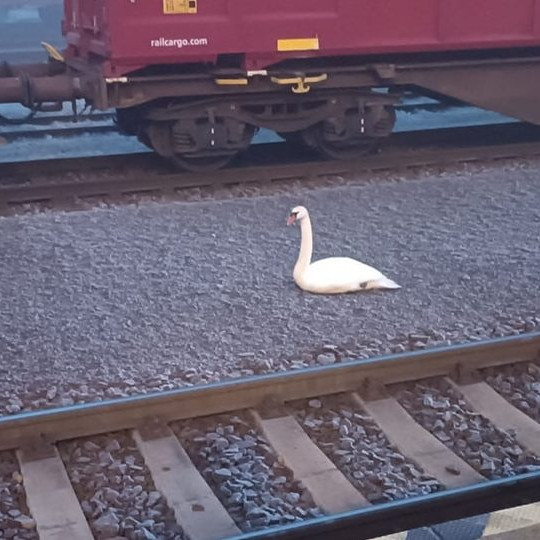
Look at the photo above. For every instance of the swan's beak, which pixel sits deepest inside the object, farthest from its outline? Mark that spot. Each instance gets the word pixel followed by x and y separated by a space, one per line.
pixel 291 219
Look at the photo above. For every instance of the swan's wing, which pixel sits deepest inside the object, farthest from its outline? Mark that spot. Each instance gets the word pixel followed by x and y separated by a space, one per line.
pixel 341 270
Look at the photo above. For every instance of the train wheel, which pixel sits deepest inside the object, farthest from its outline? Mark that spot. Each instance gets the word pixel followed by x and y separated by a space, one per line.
pixel 351 135
pixel 201 163
pixel 198 144
pixel 331 147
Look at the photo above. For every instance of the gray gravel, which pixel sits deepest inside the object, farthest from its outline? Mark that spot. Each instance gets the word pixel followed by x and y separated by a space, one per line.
pixel 358 447
pixel 244 473
pixel 15 519
pixel 493 452
pixel 520 385
pixel 116 491
pixel 146 294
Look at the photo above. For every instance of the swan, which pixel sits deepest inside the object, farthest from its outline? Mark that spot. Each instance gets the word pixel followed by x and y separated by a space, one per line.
pixel 334 274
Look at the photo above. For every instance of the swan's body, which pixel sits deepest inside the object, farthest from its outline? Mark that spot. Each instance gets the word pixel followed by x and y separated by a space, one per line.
pixel 335 274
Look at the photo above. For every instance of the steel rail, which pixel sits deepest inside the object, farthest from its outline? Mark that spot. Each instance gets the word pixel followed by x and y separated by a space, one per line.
pixel 456 137
pixel 34 433
pixel 58 424
pixel 259 166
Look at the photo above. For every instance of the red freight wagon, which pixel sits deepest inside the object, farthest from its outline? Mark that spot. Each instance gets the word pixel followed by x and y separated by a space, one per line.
pixel 132 34
pixel 195 79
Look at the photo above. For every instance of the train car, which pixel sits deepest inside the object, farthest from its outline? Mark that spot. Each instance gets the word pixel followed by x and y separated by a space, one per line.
pixel 195 79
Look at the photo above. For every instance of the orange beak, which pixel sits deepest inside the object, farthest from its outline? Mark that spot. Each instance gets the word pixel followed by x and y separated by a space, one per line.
pixel 291 219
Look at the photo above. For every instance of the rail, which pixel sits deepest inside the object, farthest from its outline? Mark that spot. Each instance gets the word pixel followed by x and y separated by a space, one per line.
pixel 35 434
pixel 148 177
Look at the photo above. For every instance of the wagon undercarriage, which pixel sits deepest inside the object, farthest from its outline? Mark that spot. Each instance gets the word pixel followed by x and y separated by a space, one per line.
pixel 339 111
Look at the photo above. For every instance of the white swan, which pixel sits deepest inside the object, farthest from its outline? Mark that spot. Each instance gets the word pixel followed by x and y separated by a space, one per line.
pixel 335 274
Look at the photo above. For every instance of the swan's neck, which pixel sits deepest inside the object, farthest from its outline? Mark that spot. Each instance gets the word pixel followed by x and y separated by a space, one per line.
pixel 306 247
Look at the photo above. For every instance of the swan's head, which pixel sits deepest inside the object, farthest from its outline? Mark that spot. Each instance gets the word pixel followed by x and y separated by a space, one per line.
pixel 298 213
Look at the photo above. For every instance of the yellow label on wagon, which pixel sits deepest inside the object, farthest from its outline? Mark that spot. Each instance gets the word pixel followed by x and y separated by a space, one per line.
pixel 173 7
pixel 302 44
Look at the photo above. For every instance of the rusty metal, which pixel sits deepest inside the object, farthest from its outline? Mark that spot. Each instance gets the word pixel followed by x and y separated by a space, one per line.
pixel 509 86
pixel 125 413
pixel 34 434
pixel 30 90
pixel 32 84
pixel 200 131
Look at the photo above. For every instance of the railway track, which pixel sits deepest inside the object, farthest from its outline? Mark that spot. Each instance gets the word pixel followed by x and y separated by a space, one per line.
pixel 275 407
pixel 150 177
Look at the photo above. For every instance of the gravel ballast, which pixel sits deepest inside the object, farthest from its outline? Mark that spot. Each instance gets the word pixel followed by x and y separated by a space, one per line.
pixel 116 491
pixel 244 473
pixel 164 295
pixel 437 407
pixel 16 522
pixel 358 447
pixel 520 385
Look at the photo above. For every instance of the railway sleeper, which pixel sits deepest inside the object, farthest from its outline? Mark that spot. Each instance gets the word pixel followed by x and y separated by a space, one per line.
pixel 54 505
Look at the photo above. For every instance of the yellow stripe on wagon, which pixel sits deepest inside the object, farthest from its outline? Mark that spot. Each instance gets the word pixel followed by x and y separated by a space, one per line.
pixel 302 44
pixel 241 81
